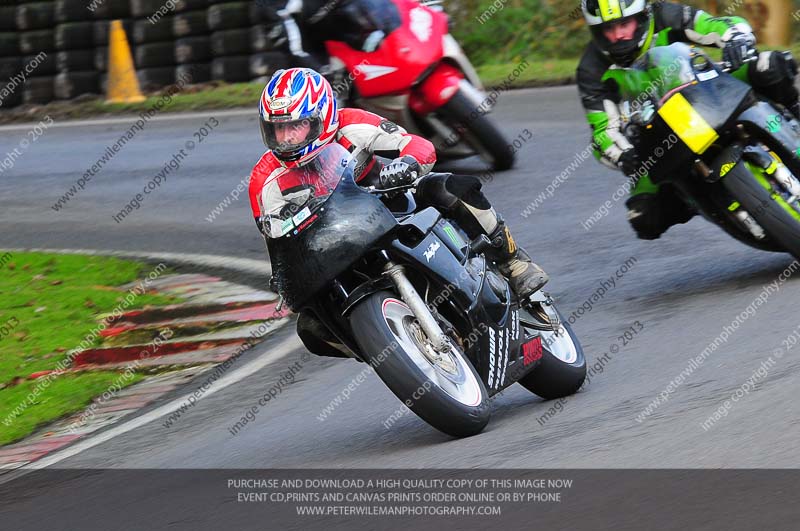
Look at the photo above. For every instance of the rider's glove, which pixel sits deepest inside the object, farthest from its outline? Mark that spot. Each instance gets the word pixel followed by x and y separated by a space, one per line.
pixel 629 162
pixel 399 172
pixel 738 49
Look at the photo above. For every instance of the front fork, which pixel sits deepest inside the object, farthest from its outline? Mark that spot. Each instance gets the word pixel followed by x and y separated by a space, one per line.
pixel 421 311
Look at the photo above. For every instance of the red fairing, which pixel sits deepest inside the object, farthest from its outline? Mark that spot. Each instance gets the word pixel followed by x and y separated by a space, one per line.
pixel 403 56
pixel 436 90
pixel 266 166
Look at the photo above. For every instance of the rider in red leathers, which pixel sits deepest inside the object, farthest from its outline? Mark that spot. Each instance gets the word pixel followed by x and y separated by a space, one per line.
pixel 299 116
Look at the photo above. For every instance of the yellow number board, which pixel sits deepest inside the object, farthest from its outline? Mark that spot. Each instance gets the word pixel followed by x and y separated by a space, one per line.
pixel 688 124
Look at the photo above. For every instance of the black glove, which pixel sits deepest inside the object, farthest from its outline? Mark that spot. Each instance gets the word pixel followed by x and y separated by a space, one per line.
pixel 629 162
pixel 738 49
pixel 399 172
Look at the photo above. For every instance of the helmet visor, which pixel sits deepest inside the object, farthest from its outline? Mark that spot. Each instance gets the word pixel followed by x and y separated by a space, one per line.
pixel 285 137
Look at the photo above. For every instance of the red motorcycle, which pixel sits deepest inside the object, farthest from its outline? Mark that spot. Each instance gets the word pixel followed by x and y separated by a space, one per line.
pixel 419 77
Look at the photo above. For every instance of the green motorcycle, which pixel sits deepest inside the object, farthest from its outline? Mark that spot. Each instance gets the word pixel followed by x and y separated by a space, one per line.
pixel 731 156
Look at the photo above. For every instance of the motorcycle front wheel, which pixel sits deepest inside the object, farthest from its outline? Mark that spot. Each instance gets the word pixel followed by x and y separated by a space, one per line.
pixel 766 201
pixel 562 369
pixel 441 388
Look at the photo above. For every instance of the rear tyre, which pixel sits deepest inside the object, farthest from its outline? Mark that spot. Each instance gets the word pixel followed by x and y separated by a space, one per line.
pixel 479 131
pixel 447 394
pixel 764 206
pixel 562 369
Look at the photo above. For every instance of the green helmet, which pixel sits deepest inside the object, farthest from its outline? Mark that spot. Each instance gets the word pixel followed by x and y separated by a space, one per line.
pixel 600 14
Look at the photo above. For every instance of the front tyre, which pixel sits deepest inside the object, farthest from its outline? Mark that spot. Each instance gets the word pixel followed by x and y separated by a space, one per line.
pixel 478 130
pixel 765 201
pixel 442 389
pixel 562 369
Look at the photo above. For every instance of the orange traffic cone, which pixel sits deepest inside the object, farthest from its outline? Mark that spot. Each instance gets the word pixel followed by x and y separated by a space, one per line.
pixel 123 87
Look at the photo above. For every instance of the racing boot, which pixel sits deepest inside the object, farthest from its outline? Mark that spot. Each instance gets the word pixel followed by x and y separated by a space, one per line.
pixel 795 110
pixel 524 276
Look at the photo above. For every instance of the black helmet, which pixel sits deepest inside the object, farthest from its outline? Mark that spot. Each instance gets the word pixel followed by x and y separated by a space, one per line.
pixel 600 14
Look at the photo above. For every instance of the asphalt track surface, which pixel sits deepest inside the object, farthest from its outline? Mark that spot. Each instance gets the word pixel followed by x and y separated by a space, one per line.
pixel 682 289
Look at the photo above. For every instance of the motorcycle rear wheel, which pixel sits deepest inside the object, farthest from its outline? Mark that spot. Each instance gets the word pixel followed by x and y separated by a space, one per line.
pixel 447 394
pixel 479 131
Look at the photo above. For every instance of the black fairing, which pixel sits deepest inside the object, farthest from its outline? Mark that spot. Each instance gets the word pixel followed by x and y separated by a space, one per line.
pixel 717 100
pixel 351 224
pixel 348 225
pixel 496 350
pixel 764 122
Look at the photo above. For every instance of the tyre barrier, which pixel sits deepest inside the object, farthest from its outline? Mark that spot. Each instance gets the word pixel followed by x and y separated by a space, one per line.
pixel 69 85
pixel 39 15
pixel 195 40
pixel 193 50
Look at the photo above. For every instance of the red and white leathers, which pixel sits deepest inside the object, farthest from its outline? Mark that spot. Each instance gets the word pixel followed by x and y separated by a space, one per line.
pixel 358 131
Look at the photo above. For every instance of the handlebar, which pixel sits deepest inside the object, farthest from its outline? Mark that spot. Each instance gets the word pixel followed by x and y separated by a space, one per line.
pixel 727 67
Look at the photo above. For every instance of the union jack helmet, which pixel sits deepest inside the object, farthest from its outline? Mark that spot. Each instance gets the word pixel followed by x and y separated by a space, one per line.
pixel 298 115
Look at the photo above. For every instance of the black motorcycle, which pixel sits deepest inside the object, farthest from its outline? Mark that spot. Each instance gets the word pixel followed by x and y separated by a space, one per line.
pixel 730 155
pixel 408 293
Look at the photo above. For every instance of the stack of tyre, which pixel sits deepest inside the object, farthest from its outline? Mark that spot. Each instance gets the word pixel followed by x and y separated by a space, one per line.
pixel 240 43
pixel 10 60
pixel 74 42
pixel 36 40
pixel 192 44
pixel 265 38
pixel 153 42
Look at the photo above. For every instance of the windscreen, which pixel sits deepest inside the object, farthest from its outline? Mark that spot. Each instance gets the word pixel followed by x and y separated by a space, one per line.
pixel 290 198
pixel 660 71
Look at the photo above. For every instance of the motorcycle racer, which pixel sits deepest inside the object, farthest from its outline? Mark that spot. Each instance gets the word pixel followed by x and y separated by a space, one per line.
pixel 298 116
pixel 307 24
pixel 622 31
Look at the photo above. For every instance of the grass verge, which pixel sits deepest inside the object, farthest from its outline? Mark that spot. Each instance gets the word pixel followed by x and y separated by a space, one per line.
pixel 48 305
pixel 543 72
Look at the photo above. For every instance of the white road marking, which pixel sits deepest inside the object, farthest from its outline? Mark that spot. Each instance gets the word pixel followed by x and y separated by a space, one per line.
pixel 130 119
pixel 273 354
pixel 246 265
pixel 276 351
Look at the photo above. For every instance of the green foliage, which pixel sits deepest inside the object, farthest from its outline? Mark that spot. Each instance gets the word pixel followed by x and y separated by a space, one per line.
pixel 506 31
pixel 498 31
